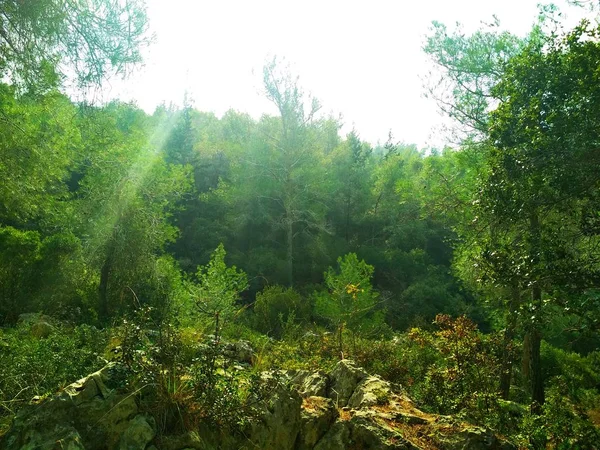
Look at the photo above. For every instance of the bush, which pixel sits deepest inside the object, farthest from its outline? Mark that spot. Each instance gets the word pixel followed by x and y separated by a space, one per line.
pixel 465 379
pixel 39 367
pixel 399 360
pixel 184 382
pixel 275 305
pixel 350 301
pixel 562 425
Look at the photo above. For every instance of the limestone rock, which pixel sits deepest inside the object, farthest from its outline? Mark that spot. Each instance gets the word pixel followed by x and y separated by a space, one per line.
pixel 310 384
pixel 138 434
pixel 370 391
pixel 337 438
pixel 41 330
pixel 279 423
pixel 29 319
pixel 86 414
pixel 358 411
pixel 367 433
pixel 318 413
pixel 477 438
pixel 344 379
pixel 240 351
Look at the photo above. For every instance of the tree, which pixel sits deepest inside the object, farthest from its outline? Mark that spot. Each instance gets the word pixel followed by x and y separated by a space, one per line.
pixel 350 301
pixel 219 287
pixel 349 188
pixel 467 68
pixel 39 142
pixel 125 197
pixel 42 41
pixel 541 180
pixel 278 180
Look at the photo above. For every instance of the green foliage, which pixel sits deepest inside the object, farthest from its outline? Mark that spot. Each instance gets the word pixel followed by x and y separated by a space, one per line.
pixel 42 41
pixel 465 379
pixel 184 383
pixel 275 306
pixel 218 289
pixel 468 67
pixel 39 367
pixel 562 424
pixel 350 300
pixel 402 360
pixel 125 197
pixel 38 144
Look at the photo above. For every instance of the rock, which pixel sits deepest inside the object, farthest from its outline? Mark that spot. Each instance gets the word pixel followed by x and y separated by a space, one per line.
pixel 138 434
pixel 29 319
pixel 240 351
pixel 86 414
pixel 477 438
pixel 318 413
pixel 366 433
pixel 370 391
pixel 359 411
pixel 279 422
pixel 337 438
pixel 40 326
pixel 310 384
pixel 408 418
pixel 65 437
pixel 344 379
pixel 474 438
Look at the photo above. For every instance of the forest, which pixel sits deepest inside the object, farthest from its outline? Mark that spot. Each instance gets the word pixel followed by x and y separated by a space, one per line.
pixel 469 275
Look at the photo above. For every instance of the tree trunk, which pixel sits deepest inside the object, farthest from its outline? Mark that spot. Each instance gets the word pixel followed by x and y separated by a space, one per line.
pixel 535 361
pixel 535 335
pixel 509 334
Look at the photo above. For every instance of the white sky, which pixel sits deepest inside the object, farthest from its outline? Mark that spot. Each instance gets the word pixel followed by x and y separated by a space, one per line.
pixel 362 59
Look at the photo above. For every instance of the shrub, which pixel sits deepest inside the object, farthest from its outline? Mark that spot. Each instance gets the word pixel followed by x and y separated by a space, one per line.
pixel 350 301
pixel 275 305
pixel 38 367
pixel 465 378
pixel 183 382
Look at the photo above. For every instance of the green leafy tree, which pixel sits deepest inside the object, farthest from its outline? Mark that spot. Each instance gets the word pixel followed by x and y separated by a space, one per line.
pixel 125 196
pixel 39 142
pixel 350 301
pixel 539 184
pixel 280 174
pixel 219 287
pixel 42 41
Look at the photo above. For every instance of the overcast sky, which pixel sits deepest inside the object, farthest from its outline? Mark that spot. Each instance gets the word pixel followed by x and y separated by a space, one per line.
pixel 362 59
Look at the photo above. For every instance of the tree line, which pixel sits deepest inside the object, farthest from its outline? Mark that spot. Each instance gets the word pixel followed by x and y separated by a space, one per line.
pixel 105 207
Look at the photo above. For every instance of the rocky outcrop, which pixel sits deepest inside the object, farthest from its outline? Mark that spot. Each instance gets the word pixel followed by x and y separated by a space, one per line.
pixel 346 408
pixel 90 414
pixel 344 379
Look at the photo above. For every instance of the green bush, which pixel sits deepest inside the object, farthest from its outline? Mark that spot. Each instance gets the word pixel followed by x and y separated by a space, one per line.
pixel 185 382
pixel 562 425
pixel 38 367
pixel 350 301
pixel 275 305
pixel 465 378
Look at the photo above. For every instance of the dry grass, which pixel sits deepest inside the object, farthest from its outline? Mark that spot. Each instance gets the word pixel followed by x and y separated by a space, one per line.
pixel 344 414
pixel 314 403
pixel 594 416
